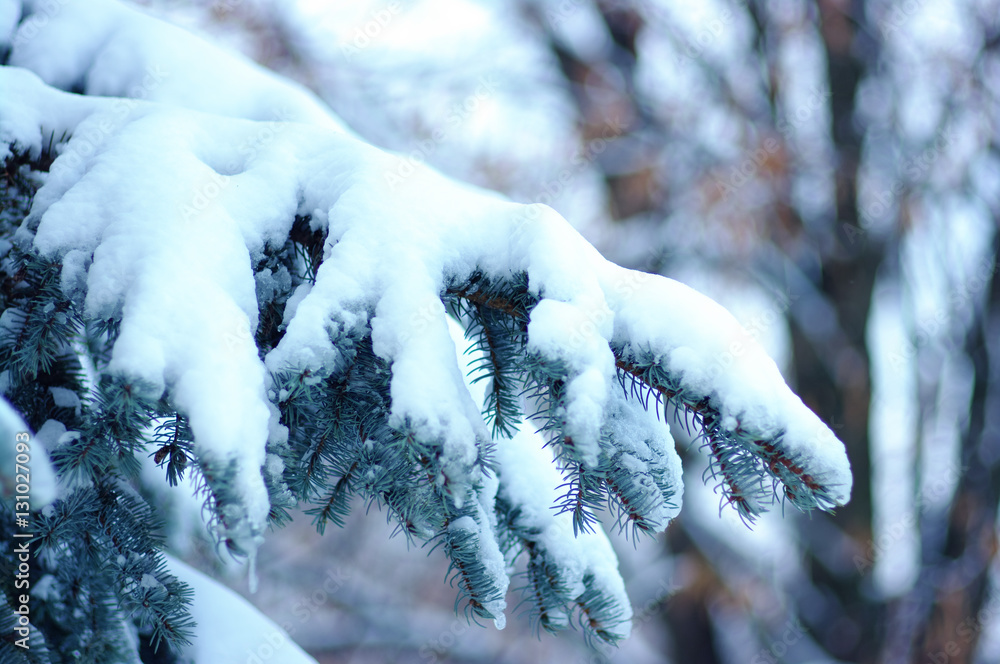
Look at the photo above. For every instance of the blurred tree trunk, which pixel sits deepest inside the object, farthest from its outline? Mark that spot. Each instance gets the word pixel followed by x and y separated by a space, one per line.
pixel 941 619
pixel 848 273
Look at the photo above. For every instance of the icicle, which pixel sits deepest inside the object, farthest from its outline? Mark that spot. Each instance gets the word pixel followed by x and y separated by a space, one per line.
pixel 252 570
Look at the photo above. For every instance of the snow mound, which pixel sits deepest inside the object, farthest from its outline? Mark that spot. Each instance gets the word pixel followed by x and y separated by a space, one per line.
pixel 110 49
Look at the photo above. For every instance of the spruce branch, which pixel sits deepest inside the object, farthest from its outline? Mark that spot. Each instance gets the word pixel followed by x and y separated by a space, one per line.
pixel 174 445
pixel 739 457
pixel 585 494
pixel 342 273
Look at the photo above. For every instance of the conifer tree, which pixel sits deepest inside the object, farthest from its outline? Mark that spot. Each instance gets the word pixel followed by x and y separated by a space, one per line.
pixel 242 290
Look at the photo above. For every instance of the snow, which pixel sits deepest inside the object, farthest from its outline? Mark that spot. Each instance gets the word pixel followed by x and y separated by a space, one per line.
pixel 161 209
pixel 221 190
pixel 112 49
pixel 46 588
pixel 149 581
pixel 646 449
pixel 567 334
pixel 231 630
pixel 489 555
pixel 65 398
pixel 719 358
pixel 270 284
pixel 10 14
pixel 41 474
pixel 26 107
pixel 528 482
pixel 389 69
pixel 292 304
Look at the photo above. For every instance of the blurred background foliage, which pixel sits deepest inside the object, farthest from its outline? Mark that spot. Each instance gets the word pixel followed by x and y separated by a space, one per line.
pixel 829 171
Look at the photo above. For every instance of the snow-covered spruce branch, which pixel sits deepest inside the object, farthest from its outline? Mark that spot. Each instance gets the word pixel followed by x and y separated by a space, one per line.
pixel 268 305
pixel 743 456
